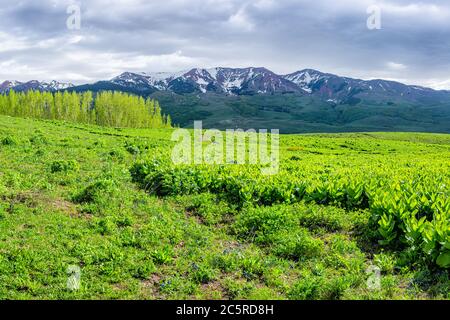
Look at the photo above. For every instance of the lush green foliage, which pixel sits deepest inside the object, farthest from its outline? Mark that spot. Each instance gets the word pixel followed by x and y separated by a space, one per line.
pixel 112 109
pixel 409 200
pixel 67 199
pixel 294 113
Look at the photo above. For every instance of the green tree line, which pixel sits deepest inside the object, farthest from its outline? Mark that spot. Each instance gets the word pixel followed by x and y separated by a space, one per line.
pixel 113 109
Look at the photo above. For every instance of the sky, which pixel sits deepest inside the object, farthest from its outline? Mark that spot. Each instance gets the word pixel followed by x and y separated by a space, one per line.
pixel 47 39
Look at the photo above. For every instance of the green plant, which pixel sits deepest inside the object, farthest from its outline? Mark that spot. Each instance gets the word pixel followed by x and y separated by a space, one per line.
pixel 64 166
pixel 163 255
pixel 9 141
pixel 299 246
pixel 202 273
pixel 95 191
pixel 386 262
pixel 307 288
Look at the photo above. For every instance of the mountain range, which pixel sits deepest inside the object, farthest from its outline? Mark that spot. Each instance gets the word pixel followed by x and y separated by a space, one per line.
pixel 33 85
pixel 303 101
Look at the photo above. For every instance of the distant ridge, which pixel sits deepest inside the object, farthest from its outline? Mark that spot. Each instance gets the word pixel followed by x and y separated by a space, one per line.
pixel 255 97
pixel 33 85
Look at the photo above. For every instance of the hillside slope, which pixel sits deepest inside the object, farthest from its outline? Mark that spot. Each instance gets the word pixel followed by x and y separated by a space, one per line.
pixel 304 101
pixel 68 202
pixel 292 113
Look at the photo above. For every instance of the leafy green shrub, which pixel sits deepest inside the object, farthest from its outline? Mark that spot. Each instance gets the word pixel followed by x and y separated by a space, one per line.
pixel 341 244
pixel 130 238
pixel 99 143
pixel 105 226
pixel 208 207
pixel 117 154
pixel 237 289
pixel 64 166
pixel 320 287
pixel 202 273
pixel 2 211
pixel 124 220
pixel 408 213
pixel 298 246
pixel 264 224
pixel 144 269
pixel 134 150
pixel 278 226
pixel 8 141
pixel 332 219
pixel 226 262
pixel 136 147
pixel 95 191
pixel 334 288
pixel 38 138
pixel 163 255
pixel 443 260
pixel 417 221
pixel 385 262
pixel 39 153
pixel 251 267
pixel 307 288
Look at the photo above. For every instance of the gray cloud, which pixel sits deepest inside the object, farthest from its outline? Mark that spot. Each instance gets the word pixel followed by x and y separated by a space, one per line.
pixel 412 45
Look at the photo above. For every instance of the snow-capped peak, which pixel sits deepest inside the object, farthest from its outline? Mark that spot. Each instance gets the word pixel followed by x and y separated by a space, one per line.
pixel 33 85
pixel 304 78
pixel 55 85
pixel 253 80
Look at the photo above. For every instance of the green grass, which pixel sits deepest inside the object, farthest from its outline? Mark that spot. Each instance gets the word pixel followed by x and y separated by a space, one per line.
pixel 67 199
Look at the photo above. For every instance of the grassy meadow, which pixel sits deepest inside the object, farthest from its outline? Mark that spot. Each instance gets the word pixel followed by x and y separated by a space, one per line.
pixel 109 201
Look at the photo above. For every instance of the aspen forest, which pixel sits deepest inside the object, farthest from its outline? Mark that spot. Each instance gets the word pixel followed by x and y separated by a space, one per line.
pixel 110 109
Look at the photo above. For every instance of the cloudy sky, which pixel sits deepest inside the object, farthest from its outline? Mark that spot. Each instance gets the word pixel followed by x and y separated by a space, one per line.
pixel 412 46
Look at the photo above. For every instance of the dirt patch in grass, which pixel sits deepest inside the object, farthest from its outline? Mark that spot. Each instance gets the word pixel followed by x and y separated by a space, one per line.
pixel 30 199
pixel 193 214
pixel 150 287
pixel 33 199
pixel 213 291
pixel 65 206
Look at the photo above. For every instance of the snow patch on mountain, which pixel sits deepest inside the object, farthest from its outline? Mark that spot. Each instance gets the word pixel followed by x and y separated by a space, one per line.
pixel 305 79
pixel 52 86
pixel 258 80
